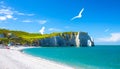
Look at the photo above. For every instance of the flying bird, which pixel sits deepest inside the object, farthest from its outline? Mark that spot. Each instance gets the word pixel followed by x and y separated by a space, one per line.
pixel 42 30
pixel 78 16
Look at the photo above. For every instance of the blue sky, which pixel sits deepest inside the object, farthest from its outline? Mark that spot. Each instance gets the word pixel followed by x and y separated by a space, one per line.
pixel 100 18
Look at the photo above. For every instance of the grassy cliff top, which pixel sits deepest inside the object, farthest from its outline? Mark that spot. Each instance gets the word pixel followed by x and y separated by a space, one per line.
pixel 27 35
pixel 28 38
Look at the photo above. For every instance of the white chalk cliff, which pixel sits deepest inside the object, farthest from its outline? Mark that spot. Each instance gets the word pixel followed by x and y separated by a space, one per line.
pixel 79 39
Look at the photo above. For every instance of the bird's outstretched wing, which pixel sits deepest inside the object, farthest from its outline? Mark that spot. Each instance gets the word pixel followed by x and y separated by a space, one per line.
pixel 81 12
pixel 74 18
pixel 42 30
pixel 79 15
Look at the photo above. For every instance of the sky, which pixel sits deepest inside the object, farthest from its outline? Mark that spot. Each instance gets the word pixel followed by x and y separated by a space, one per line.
pixel 100 18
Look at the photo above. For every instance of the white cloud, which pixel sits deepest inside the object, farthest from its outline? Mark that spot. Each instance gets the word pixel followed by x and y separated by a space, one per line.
pixel 19 13
pixel 15 18
pixel 30 14
pixel 42 21
pixel 35 21
pixel 5 17
pixel 107 30
pixel 23 14
pixel 115 37
pixel 9 16
pixel 2 18
pixel 54 29
pixel 42 30
pixel 7 12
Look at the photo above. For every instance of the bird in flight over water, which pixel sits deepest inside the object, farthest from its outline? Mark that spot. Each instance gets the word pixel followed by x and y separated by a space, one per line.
pixel 78 16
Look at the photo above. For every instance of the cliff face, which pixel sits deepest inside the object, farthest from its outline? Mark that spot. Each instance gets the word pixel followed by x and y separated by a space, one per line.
pixel 72 39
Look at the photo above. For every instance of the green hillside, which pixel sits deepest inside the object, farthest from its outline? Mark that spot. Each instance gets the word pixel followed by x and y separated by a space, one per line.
pixel 22 37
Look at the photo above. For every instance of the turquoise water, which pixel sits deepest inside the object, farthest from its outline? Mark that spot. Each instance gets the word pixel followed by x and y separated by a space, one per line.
pixel 98 57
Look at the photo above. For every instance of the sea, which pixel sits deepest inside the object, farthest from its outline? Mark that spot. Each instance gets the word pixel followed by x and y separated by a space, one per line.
pixel 98 57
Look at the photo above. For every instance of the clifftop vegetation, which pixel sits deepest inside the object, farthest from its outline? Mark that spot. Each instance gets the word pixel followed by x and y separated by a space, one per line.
pixel 25 38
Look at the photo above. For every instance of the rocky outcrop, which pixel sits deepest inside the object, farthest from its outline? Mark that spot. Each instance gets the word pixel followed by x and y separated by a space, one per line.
pixel 84 37
pixel 71 39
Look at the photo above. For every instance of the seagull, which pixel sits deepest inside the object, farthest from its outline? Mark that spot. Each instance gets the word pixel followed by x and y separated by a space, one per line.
pixel 42 30
pixel 78 16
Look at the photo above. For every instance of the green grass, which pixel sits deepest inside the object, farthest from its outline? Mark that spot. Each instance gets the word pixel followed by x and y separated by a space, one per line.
pixel 25 37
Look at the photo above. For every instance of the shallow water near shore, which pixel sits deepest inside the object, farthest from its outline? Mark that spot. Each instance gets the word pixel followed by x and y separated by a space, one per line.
pixel 98 57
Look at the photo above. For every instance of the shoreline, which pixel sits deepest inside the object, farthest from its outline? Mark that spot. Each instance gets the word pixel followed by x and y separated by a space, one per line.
pixel 15 59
